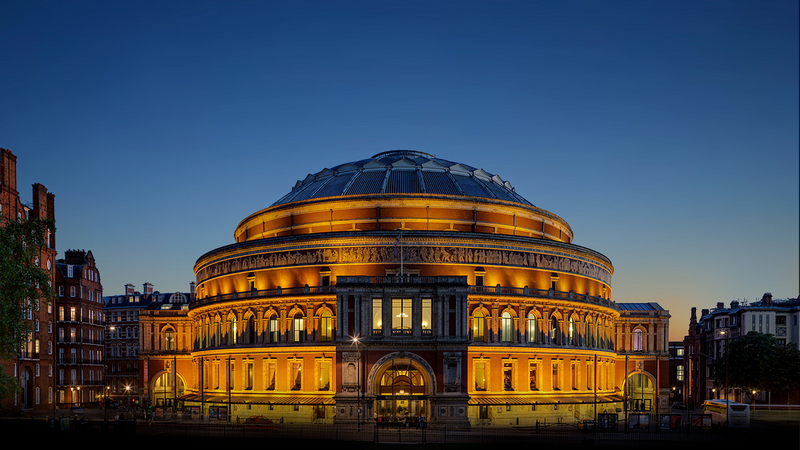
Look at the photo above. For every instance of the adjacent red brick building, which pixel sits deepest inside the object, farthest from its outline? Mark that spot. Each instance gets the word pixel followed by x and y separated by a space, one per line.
pixel 33 367
pixel 80 331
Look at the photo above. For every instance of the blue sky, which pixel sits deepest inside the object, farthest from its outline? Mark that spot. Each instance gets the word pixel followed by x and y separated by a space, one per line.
pixel 665 133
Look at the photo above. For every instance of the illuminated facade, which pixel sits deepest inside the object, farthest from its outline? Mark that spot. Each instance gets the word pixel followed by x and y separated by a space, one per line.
pixel 404 285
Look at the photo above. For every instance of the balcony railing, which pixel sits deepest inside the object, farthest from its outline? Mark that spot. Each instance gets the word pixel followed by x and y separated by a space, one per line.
pixel 546 293
pixel 455 280
pixel 406 279
pixel 259 293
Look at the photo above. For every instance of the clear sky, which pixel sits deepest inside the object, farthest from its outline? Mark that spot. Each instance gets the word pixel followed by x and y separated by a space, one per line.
pixel 665 133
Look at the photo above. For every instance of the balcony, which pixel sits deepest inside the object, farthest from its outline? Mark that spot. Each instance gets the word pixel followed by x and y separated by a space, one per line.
pixel 408 280
pixel 541 293
pixel 265 293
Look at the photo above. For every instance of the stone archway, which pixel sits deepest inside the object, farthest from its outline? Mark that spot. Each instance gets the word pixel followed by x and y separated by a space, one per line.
pixel 641 391
pixel 401 385
pixel 163 391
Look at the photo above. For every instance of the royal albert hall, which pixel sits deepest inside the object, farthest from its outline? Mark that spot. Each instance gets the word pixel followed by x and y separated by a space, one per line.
pixel 405 286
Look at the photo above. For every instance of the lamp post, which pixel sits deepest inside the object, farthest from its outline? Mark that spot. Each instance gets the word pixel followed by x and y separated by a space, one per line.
pixel 727 402
pixel 128 394
pixel 358 383
pixel 105 404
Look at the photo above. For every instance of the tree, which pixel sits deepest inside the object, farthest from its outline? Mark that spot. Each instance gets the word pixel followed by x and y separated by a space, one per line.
pixel 23 285
pixel 757 361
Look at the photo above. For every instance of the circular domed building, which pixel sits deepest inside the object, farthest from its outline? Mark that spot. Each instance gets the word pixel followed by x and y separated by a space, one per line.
pixel 402 286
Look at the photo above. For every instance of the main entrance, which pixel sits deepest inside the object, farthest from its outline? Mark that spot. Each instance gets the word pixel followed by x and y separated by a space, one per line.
pixel 401 392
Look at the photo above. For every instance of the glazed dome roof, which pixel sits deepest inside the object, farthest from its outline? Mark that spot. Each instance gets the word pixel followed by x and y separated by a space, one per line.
pixel 402 172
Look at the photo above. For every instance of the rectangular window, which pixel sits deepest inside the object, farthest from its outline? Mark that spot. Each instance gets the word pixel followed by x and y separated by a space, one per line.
pixel 324 375
pixel 590 375
pixel 401 316
pixel 232 375
pixel 556 384
pixel 296 375
pixel 377 316
pixel 508 376
pixel 532 377
pixel 270 368
pixel 574 371
pixel 248 375
pixel 679 372
pixel 480 375
pixel 427 314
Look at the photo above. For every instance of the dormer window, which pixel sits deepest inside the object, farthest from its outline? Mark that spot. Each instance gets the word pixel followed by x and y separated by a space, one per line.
pixel 325 277
pixel 554 282
pixel 479 276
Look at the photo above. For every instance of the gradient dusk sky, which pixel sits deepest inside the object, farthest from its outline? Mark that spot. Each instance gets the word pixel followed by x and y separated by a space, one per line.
pixel 664 133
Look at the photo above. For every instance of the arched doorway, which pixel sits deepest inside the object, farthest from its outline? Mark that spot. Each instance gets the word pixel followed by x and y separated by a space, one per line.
pixel 402 386
pixel 641 392
pixel 164 392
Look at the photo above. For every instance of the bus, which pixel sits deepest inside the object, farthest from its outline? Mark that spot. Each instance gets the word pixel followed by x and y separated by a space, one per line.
pixel 728 413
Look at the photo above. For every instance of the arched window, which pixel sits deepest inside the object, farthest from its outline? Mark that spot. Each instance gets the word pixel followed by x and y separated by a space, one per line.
pixel 298 328
pixel 554 332
pixel 273 329
pixel 533 331
pixel 250 331
pixel 217 332
pixel 478 327
pixel 233 332
pixel 325 327
pixel 507 327
pixel 572 332
pixel 587 333
pixel 169 340
pixel 402 379
pixel 597 331
pixel 638 340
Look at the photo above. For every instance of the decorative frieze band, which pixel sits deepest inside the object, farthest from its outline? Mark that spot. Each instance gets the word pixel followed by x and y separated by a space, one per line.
pixel 411 254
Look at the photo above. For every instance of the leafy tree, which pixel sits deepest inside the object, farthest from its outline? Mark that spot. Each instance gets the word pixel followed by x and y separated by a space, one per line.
pixel 757 361
pixel 22 284
pixel 785 371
